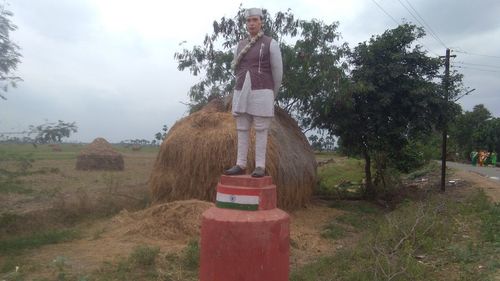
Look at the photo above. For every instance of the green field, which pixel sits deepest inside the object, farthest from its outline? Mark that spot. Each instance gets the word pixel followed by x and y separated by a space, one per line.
pixel 57 223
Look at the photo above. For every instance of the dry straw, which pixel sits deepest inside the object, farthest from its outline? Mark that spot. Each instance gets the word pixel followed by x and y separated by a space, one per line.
pixel 99 155
pixel 200 146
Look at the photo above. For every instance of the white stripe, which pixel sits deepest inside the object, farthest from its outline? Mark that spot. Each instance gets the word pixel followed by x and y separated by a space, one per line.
pixel 239 199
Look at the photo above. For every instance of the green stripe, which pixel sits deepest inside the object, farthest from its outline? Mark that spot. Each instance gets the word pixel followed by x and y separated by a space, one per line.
pixel 229 205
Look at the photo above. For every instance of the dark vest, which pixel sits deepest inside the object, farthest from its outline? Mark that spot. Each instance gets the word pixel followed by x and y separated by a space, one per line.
pixel 258 61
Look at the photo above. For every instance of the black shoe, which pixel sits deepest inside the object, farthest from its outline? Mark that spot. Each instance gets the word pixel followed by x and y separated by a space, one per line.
pixel 235 170
pixel 258 172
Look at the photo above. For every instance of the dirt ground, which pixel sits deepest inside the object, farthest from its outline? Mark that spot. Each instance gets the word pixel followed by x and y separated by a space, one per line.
pixel 490 186
pixel 168 226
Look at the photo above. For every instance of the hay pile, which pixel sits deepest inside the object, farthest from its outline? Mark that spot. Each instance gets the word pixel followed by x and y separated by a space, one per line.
pixel 200 146
pixel 99 155
pixel 179 220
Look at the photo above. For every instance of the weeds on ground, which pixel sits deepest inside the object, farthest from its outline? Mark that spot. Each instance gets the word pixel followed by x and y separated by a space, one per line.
pixel 191 255
pixel 147 263
pixel 424 170
pixel 420 240
pixel 14 165
pixel 144 255
pixel 16 245
pixel 358 215
pixel 334 231
pixel 341 179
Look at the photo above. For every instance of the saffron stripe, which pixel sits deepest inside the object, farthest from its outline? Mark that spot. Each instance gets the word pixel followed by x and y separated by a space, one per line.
pixel 229 205
pixel 239 190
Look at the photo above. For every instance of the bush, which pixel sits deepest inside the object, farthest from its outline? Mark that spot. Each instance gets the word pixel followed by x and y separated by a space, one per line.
pixel 411 157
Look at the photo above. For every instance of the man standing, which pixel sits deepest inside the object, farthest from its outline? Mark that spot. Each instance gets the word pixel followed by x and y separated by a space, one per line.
pixel 259 70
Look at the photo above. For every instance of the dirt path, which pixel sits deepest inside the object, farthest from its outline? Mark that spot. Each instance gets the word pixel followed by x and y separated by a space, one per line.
pixel 490 186
pixel 170 227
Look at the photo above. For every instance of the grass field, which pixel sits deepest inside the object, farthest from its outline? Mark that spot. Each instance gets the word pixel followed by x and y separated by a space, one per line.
pixel 340 179
pixel 57 223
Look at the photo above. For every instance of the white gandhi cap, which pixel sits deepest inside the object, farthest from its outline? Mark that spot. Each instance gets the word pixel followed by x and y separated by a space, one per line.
pixel 253 12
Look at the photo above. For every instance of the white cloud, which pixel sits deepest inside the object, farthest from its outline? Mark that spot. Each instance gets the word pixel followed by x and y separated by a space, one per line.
pixel 109 66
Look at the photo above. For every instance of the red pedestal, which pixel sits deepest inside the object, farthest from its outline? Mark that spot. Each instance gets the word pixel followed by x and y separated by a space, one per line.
pixel 245 238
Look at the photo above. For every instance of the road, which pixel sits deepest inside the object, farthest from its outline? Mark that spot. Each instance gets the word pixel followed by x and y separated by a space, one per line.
pixel 489 172
pixel 486 178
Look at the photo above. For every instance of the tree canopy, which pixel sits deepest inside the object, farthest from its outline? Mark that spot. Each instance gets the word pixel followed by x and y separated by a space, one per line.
pixel 53 132
pixel 391 96
pixel 378 98
pixel 311 59
pixel 476 129
pixel 9 52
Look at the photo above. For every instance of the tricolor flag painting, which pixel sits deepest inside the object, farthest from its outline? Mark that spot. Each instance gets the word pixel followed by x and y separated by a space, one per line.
pixel 248 202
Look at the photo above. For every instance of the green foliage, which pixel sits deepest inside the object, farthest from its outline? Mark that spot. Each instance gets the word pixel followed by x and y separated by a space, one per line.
pixel 340 179
pixel 53 132
pixel 435 239
pixel 144 255
pixel 9 51
pixel 322 143
pixel 309 64
pixel 409 158
pixel 36 240
pixel 431 166
pixel 489 214
pixel 160 136
pixel 475 129
pixel 391 97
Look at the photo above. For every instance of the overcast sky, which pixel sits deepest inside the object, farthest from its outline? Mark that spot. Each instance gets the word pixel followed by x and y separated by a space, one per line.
pixel 109 66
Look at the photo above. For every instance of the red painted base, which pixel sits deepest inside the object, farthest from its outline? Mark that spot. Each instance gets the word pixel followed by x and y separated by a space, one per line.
pixel 245 245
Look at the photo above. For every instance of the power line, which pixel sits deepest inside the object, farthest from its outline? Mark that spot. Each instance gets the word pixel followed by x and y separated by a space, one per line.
pixel 390 16
pixel 476 54
pixel 478 64
pixel 478 69
pixel 421 24
pixel 426 24
pixel 383 10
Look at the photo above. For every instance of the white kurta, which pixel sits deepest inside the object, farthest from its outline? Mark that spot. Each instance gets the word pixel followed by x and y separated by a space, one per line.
pixel 260 102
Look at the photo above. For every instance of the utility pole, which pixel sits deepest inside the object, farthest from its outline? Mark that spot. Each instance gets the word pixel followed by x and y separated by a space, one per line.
pixel 446 83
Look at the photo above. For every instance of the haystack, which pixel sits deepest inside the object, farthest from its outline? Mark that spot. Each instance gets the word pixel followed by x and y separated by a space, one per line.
pixel 99 155
pixel 200 146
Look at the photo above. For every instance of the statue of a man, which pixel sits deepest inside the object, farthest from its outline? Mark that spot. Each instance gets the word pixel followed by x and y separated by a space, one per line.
pixel 259 70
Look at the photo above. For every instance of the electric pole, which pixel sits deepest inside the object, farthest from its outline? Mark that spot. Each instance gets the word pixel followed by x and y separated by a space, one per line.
pixel 446 84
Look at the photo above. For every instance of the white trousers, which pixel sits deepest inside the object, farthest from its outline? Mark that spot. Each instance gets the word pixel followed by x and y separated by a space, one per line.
pixel 261 125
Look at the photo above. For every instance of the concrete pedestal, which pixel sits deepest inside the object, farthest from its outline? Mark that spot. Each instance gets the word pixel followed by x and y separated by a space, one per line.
pixel 245 237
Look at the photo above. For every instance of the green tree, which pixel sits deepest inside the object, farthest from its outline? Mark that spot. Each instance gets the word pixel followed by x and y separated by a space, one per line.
pixel 312 64
pixel 486 135
pixel 9 52
pixel 390 98
pixel 465 126
pixel 53 132
pixel 160 136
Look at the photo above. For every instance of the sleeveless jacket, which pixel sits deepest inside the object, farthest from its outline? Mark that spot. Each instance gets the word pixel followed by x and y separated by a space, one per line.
pixel 258 61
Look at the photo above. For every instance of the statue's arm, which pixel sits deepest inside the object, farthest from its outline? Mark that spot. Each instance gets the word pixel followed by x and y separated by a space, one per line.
pixel 276 65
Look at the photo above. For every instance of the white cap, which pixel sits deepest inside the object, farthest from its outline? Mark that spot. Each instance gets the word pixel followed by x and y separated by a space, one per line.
pixel 253 12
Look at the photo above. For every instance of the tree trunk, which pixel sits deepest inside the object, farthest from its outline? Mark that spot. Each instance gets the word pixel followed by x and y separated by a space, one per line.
pixel 368 175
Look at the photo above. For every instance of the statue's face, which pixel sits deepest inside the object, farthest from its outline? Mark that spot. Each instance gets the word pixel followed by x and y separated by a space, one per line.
pixel 254 25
